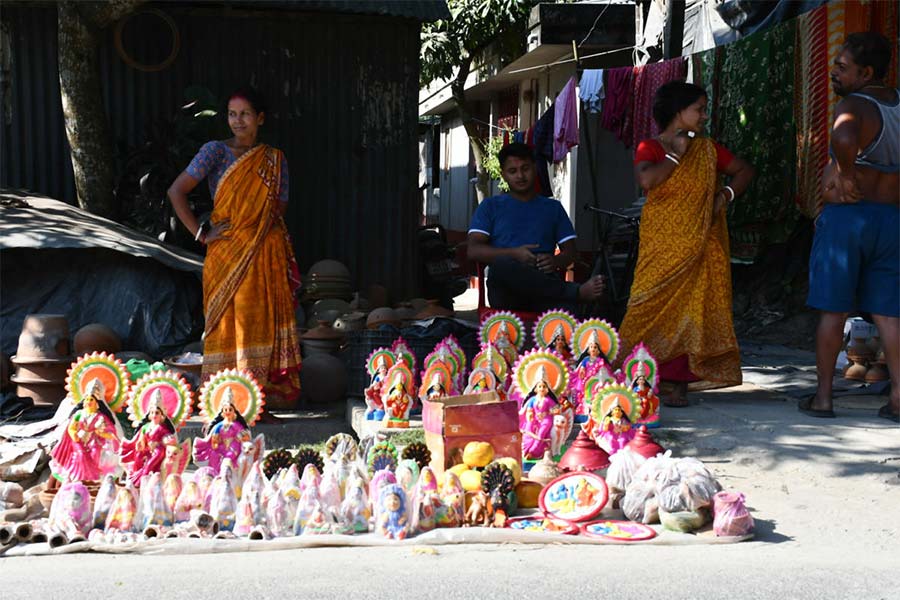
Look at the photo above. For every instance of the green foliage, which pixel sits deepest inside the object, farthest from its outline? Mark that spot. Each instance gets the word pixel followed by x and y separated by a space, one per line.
pixel 491 161
pixel 473 25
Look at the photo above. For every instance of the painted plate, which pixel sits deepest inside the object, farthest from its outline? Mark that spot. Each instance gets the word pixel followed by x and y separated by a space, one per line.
pixel 620 531
pixel 542 523
pixel 577 496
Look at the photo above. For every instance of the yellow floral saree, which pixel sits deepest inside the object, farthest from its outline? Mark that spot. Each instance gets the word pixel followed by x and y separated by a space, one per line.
pixel 246 291
pixel 680 304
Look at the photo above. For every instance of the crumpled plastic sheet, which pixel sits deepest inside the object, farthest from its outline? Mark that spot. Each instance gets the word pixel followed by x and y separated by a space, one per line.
pixel 437 537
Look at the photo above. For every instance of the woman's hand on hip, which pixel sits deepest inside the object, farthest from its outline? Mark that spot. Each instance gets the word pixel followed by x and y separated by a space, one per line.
pixel 218 231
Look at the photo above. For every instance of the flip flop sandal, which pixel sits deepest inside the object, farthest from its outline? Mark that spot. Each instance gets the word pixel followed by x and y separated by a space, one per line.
pixel 885 413
pixel 805 406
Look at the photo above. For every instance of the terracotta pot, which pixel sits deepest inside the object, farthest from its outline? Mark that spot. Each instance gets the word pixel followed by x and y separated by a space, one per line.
pixel 877 372
pixel 405 312
pixel 545 470
pixel 329 268
pixel 434 309
pixel 96 337
pixel 41 370
pixel 644 444
pixel 353 321
pixel 323 379
pixel 382 316
pixel 859 350
pixel 42 393
pixel 44 336
pixel 321 339
pixel 857 371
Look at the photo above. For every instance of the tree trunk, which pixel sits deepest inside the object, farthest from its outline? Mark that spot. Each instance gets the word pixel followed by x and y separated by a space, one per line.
pixel 90 140
pixel 458 88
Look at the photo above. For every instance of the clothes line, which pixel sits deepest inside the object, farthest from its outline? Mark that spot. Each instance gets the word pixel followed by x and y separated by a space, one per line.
pixel 571 60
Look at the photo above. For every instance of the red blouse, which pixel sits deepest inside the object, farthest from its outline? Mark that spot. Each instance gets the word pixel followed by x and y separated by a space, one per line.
pixel 653 151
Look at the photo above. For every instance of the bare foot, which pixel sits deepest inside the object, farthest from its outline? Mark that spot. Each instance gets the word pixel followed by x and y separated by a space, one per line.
pixel 592 289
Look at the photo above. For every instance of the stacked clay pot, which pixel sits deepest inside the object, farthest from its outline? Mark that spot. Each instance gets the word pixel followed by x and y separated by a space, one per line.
pixel 42 359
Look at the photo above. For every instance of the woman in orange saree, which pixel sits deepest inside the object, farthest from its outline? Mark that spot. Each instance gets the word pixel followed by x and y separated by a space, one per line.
pixel 680 302
pixel 250 274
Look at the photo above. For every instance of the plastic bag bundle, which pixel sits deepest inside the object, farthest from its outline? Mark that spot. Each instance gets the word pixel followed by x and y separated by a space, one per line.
pixel 453 512
pixel 153 508
pixel 640 503
pixel 309 503
pixel 204 477
pixel 379 480
pixel 279 516
pixel 123 513
pixel 731 515
pixel 407 474
pixel 289 483
pixel 622 467
pixel 189 499
pixel 250 511
pixel 223 500
pixel 311 477
pixel 171 490
pixel 71 508
pixel 330 492
pixel 354 514
pixel 104 500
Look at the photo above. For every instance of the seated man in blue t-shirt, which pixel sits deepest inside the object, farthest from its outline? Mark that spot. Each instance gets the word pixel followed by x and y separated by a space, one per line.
pixel 517 233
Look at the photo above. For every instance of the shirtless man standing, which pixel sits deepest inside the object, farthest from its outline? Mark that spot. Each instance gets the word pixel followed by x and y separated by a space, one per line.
pixel 855 260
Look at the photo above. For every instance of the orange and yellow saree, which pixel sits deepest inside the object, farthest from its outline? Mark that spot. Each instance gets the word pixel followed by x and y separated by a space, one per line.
pixel 247 295
pixel 680 304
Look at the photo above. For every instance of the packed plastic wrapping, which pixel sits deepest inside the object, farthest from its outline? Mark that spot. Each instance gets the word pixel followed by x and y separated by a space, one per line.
pixel 731 515
pixel 453 497
pixel 250 508
pixel 622 467
pixel 189 499
pixel 279 517
pixel 71 509
pixel 330 491
pixel 407 474
pixel 223 500
pixel 172 489
pixel 204 477
pixel 104 501
pixel 354 514
pixel 379 480
pixel 671 485
pixel 309 503
pixel 153 508
pixel 123 513
pixel 426 502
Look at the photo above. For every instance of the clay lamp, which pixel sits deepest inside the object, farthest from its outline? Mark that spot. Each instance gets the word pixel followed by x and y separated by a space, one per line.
pixel 584 455
pixel 644 444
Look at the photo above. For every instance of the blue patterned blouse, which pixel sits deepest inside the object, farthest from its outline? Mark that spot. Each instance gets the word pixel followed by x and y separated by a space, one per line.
pixel 213 160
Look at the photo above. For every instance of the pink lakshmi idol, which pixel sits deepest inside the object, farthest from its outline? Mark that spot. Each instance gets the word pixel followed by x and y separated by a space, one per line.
pixel 87 447
pixel 615 413
pixel 231 402
pixel 540 377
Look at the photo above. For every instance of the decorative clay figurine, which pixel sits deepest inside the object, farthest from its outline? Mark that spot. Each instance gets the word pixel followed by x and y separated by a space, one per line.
pixel 453 512
pixel 223 500
pixel 397 397
pixel 123 513
pixel 159 404
pixel 614 413
pixel 88 447
pixel 597 343
pixel 391 519
pixel 506 332
pixel 427 501
pixel 71 509
pixel 490 358
pixel 354 513
pixel 640 370
pixel 378 364
pixel 540 377
pixel 554 331
pixel 231 402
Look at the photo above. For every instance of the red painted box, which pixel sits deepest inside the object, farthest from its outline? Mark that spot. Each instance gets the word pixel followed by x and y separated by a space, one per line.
pixel 451 423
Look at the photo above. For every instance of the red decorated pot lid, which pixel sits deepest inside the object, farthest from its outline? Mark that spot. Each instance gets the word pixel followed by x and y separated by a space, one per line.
pixel 542 523
pixel 620 531
pixel 575 496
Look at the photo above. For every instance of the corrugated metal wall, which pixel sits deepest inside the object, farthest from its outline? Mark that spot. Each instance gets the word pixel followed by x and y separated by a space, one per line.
pixel 342 89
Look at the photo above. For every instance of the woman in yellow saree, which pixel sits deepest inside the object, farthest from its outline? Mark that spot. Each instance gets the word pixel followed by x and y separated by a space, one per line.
pixel 680 302
pixel 250 274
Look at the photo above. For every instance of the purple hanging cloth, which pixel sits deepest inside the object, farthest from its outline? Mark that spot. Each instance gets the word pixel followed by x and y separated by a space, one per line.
pixel 565 121
pixel 617 106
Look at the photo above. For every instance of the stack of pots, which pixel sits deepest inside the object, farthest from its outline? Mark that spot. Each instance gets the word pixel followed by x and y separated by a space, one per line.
pixel 42 359
pixel 327 279
pixel 323 376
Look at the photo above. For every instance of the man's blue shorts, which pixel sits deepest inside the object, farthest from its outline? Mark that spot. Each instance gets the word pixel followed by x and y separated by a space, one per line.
pixel 855 259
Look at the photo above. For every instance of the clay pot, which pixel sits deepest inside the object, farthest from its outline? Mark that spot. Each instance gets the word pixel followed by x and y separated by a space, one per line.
pixel 545 470
pixel 96 337
pixel 860 351
pixel 877 372
pixel 584 455
pixel 405 312
pixel 857 371
pixel 382 316
pixel 644 444
pixel 321 339
pixel 323 379
pixel 41 370
pixel 42 393
pixel 434 309
pixel 353 321
pixel 44 336
pixel 329 268
pixel 377 295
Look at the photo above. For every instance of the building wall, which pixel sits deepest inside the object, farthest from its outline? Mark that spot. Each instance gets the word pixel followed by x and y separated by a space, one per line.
pixel 343 107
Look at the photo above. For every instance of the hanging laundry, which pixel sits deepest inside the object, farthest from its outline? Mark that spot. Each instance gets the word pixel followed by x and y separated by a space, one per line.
pixel 617 105
pixel 519 137
pixel 543 149
pixel 590 90
pixel 647 80
pixel 565 121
